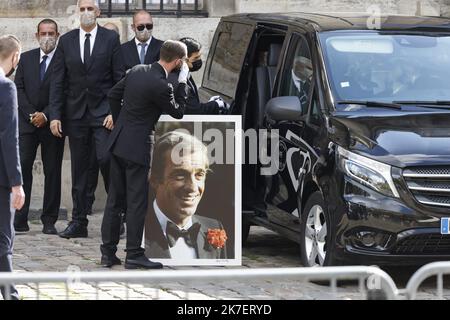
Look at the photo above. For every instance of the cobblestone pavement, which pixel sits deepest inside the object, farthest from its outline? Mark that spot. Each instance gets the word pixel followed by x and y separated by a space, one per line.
pixel 35 251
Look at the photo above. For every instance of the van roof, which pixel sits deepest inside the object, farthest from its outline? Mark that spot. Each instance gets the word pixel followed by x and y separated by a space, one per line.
pixel 347 21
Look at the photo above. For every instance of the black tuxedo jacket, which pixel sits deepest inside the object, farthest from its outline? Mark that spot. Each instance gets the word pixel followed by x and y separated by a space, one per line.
pixel 76 87
pixel 146 95
pixel 193 104
pixel 131 56
pixel 33 94
pixel 10 170
pixel 157 247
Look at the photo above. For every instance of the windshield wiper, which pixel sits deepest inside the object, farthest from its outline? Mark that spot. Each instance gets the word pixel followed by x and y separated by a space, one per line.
pixel 425 104
pixel 378 104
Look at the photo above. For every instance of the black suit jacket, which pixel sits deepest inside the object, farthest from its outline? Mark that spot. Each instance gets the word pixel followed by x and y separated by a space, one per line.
pixel 193 104
pixel 33 94
pixel 157 247
pixel 10 171
pixel 75 87
pixel 146 95
pixel 131 56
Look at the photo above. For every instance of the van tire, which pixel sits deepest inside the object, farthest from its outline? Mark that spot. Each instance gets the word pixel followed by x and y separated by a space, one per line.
pixel 317 245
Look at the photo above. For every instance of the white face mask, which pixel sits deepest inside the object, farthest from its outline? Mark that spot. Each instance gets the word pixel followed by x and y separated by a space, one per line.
pixel 47 44
pixel 143 35
pixel 87 18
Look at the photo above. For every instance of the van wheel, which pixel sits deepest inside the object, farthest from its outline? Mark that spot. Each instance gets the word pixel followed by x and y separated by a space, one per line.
pixel 315 241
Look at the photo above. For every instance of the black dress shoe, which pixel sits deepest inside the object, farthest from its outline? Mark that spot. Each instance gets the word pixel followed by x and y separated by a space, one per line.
pixel 142 262
pixel 74 230
pixel 21 227
pixel 110 260
pixel 49 229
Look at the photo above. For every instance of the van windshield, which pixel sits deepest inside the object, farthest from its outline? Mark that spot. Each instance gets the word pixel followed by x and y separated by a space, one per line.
pixel 387 67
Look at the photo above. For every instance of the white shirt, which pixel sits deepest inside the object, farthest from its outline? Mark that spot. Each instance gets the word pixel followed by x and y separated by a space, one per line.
pixel 139 47
pixel 180 250
pixel 91 39
pixel 49 58
pixel 2 73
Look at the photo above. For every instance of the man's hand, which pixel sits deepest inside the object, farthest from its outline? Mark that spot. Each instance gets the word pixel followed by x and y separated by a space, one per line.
pixel 184 73
pixel 108 123
pixel 18 197
pixel 55 128
pixel 38 119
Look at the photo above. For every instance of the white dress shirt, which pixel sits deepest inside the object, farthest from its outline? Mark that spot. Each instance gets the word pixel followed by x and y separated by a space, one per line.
pixel 91 39
pixel 49 58
pixel 139 47
pixel 180 250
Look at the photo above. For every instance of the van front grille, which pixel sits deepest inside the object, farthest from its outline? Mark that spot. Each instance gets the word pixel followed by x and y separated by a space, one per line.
pixel 430 185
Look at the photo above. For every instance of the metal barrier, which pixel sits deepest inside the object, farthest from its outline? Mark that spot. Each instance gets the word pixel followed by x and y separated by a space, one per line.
pixel 370 279
pixel 438 269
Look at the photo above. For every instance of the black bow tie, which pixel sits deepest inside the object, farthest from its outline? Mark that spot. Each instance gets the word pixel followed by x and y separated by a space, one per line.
pixel 190 235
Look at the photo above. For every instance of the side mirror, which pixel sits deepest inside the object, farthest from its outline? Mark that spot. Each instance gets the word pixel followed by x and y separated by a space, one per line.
pixel 284 108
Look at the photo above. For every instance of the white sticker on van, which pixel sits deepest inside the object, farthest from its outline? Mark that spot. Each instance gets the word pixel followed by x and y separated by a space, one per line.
pixel 345 84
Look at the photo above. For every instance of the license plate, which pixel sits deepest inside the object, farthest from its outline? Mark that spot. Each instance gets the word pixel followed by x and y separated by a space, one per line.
pixel 445 225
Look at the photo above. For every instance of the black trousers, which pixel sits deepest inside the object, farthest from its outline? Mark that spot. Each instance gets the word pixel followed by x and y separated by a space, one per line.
pixel 6 237
pixel 93 172
pixel 128 188
pixel 81 132
pixel 52 149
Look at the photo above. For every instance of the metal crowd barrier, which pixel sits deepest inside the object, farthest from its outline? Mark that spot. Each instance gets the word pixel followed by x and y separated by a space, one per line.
pixel 434 269
pixel 372 281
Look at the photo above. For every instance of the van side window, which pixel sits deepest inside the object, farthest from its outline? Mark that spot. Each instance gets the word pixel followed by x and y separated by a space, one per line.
pixel 297 75
pixel 226 64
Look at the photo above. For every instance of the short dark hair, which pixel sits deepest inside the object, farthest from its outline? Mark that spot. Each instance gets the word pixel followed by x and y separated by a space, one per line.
pixel 8 45
pixel 164 146
pixel 192 45
pixel 47 21
pixel 172 50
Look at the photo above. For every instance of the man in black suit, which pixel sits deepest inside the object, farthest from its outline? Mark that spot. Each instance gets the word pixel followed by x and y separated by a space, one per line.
pixel 33 78
pixel 216 105
pixel 172 228
pixel 88 63
pixel 146 94
pixel 12 196
pixel 143 48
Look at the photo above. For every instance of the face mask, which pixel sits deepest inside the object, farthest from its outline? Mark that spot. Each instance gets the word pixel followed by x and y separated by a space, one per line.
pixel 47 44
pixel 196 65
pixel 10 72
pixel 143 35
pixel 87 18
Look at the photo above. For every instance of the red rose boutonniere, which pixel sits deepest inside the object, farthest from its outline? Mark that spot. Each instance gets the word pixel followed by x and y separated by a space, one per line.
pixel 217 238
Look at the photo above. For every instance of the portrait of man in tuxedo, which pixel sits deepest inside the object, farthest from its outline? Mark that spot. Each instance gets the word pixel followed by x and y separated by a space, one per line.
pixel 143 48
pixel 88 63
pixel 32 79
pixel 173 229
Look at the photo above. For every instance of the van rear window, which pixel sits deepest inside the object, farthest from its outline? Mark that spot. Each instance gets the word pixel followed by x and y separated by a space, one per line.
pixel 226 64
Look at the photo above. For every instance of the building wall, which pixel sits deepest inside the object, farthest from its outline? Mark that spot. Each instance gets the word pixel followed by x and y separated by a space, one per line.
pixel 20 17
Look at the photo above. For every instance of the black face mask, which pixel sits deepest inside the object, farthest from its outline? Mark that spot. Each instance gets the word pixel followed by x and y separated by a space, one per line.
pixel 196 65
pixel 10 73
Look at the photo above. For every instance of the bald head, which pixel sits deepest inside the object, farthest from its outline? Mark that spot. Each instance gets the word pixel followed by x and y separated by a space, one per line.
pixel 94 3
pixel 142 16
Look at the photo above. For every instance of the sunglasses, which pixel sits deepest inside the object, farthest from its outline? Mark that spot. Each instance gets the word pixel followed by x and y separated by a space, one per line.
pixel 148 26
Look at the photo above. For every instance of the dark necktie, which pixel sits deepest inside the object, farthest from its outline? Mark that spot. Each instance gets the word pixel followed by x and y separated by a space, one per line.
pixel 43 67
pixel 173 233
pixel 87 49
pixel 142 52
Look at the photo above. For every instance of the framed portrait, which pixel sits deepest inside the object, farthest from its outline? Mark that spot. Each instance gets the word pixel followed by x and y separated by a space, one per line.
pixel 194 213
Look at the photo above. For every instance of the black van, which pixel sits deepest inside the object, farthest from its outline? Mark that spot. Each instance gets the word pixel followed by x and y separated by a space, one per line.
pixel 363 121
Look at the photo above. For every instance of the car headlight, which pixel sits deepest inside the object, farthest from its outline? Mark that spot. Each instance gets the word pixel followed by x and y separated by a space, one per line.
pixel 371 173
